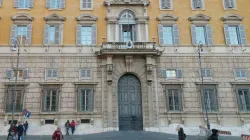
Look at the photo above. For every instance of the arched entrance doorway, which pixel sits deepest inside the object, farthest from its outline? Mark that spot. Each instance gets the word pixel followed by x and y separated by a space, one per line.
pixel 129 103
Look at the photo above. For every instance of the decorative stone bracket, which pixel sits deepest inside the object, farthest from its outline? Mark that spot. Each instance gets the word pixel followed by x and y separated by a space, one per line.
pixel 109 66
pixel 149 69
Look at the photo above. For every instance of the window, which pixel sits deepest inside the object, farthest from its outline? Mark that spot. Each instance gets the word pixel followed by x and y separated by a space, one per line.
pixel 53 34
pixel 173 97
pixel 229 4
pixel 49 121
pixel 21 74
pixel 14 121
pixel 11 97
pixel 85 120
pixel 51 96
pixel 86 35
pixel 21 34
pixel 202 34
pixel 235 34
pixel 23 4
pixel 55 4
pixel 128 32
pixel 51 73
pixel 168 35
pixel 209 98
pixel 240 73
pixel 166 4
pixel 243 96
pixel 86 4
pixel 197 4
pixel 85 99
pixel 174 73
pixel 85 74
pixel 206 73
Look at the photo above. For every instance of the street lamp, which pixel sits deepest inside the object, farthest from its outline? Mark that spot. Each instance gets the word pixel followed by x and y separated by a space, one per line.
pixel 200 50
pixel 15 48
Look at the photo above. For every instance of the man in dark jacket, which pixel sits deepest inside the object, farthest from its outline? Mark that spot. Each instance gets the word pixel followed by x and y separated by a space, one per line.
pixel 20 130
pixel 215 134
pixel 67 126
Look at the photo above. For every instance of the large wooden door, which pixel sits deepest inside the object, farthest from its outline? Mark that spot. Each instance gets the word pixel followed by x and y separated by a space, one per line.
pixel 129 103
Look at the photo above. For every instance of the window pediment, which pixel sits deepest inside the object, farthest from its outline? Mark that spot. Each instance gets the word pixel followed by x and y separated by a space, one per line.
pixel 232 17
pixel 54 17
pixel 22 17
pixel 127 2
pixel 167 17
pixel 86 17
pixel 199 17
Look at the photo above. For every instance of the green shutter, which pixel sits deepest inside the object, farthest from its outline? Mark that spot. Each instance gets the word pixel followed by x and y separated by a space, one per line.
pixel 29 35
pixel 78 34
pixel 160 34
pixel 226 34
pixel 193 33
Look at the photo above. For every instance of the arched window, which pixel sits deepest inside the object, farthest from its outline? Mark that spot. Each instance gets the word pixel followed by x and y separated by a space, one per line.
pixel 127 26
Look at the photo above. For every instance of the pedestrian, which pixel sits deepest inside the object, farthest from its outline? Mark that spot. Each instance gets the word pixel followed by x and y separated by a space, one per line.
pixel 26 125
pixel 67 126
pixel 73 126
pixel 57 135
pixel 14 132
pixel 10 132
pixel 215 134
pixel 20 130
pixel 181 134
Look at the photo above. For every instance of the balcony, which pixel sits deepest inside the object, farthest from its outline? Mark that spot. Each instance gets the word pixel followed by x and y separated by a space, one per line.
pixel 122 48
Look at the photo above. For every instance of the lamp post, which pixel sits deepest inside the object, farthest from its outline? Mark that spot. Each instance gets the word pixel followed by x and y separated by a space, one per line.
pixel 15 48
pixel 200 48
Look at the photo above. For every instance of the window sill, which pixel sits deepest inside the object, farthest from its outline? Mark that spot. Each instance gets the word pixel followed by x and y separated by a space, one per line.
pixel 82 79
pixel 16 113
pixel 171 9
pixel 165 45
pixel 172 83
pixel 174 112
pixel 49 113
pixel 85 45
pixel 203 9
pixel 28 9
pixel 18 83
pixel 55 9
pixel 86 9
pixel 240 79
pixel 51 83
pixel 53 45
pixel 213 112
pixel 87 113
pixel 230 9
pixel 244 112
pixel 85 83
pixel 239 45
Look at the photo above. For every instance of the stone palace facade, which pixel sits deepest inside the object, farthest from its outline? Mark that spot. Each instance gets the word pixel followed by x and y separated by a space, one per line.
pixel 114 65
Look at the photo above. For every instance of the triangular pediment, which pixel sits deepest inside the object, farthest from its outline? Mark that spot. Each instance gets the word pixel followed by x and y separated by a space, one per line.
pixel 54 17
pixel 232 17
pixel 199 17
pixel 86 17
pixel 167 17
pixel 22 16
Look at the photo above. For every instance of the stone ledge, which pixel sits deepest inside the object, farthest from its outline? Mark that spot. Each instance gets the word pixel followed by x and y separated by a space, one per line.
pixel 18 83
pixel 172 83
pixel 207 83
pixel 51 83
pixel 85 83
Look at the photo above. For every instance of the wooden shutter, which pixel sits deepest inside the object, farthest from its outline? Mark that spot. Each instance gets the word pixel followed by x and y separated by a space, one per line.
pixel 45 94
pixel 90 100
pixel 193 33
pixel 16 3
pixel 209 34
pixel 57 99
pixel 13 34
pixel 134 29
pixel 78 34
pixel 79 99
pixel 57 34
pixel 242 34
pixel 176 34
pixel 48 3
pixel 46 35
pixel 120 33
pixel 62 3
pixel 31 3
pixel 179 73
pixel 25 73
pixel 29 35
pixel 160 34
pixel 10 73
pixel 94 34
pixel 226 34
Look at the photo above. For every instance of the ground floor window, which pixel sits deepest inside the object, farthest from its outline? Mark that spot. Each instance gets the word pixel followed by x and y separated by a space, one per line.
pixel 209 98
pixel 11 97
pixel 85 99
pixel 243 96
pixel 173 97
pixel 51 99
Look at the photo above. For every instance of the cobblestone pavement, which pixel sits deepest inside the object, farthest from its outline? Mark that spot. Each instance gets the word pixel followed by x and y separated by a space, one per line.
pixel 130 135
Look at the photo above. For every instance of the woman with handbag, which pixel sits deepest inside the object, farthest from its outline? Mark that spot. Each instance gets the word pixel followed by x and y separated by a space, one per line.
pixel 57 135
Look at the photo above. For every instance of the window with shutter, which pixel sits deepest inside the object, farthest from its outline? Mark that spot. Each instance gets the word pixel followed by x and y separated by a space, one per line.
pixel 50 99
pixel 19 99
pixel 23 3
pixel 85 99
pixel 86 35
pixel 54 4
pixel 10 73
pixel 209 98
pixel 197 4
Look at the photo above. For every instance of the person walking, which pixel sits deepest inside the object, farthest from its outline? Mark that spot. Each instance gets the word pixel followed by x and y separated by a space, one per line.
pixel 181 134
pixel 20 130
pixel 26 125
pixel 73 126
pixel 57 135
pixel 215 134
pixel 67 126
